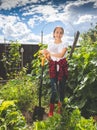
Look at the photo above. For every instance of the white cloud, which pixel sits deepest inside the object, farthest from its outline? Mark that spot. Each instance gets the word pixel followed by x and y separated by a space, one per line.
pixel 45 11
pixel 31 23
pixel 4 20
pixel 30 39
pixel 16 31
pixel 78 3
pixel 83 19
pixel 8 4
pixel 7 24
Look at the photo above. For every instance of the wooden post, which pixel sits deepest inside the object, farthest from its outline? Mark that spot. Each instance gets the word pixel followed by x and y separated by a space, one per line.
pixel 74 43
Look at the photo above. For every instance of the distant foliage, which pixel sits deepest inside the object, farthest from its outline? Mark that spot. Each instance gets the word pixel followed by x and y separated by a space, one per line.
pixel 12 59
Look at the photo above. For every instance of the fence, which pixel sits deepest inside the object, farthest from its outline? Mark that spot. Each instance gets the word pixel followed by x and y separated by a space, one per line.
pixel 27 52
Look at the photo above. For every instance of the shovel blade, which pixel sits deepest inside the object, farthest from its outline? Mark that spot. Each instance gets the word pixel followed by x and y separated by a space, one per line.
pixel 38 113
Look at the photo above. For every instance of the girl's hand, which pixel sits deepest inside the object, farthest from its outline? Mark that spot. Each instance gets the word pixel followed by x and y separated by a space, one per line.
pixel 45 52
pixel 48 56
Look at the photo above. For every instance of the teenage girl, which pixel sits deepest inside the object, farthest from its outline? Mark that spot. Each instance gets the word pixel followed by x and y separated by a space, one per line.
pixel 58 68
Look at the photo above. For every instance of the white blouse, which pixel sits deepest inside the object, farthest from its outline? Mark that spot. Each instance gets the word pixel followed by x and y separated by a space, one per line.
pixel 57 48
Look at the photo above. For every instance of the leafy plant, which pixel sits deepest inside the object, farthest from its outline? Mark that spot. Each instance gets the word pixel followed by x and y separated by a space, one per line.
pixel 37 74
pixel 12 59
pixel 10 117
pixel 68 121
pixel 36 65
pixel 23 89
pixel 83 77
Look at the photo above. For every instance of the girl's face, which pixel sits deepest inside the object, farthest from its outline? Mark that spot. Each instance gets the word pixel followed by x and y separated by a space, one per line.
pixel 58 33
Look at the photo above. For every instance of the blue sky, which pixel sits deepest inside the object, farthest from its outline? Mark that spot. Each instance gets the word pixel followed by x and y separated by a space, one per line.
pixel 24 20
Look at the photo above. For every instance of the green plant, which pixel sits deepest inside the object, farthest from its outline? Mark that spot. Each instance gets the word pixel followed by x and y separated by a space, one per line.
pixel 36 65
pixel 77 122
pixel 83 75
pixel 49 124
pixel 83 79
pixel 70 120
pixel 10 117
pixel 23 89
pixel 37 71
pixel 12 59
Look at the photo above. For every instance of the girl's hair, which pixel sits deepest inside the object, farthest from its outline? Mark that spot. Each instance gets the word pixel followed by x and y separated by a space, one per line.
pixel 60 28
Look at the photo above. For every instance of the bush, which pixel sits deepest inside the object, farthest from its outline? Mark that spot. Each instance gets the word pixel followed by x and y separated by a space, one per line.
pixel 10 117
pixel 83 79
pixel 68 121
pixel 22 89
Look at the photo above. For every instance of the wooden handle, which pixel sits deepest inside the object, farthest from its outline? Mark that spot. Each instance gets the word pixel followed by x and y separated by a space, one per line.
pixel 42 61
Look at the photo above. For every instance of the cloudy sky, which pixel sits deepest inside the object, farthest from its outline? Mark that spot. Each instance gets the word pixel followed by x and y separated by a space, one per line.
pixel 24 20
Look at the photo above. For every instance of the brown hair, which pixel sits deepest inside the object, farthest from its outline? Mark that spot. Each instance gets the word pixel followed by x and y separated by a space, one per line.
pixel 60 28
pixel 56 29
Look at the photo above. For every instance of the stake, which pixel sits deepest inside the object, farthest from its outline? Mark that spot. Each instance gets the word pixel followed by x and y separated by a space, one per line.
pixel 74 44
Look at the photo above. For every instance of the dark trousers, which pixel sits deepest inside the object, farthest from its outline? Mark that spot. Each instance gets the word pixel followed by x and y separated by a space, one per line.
pixel 57 90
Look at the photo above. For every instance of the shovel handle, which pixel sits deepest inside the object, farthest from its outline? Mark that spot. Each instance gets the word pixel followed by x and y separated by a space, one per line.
pixel 42 61
pixel 42 57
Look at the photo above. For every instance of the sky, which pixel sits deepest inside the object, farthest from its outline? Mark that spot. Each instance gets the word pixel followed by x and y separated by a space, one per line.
pixel 33 21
